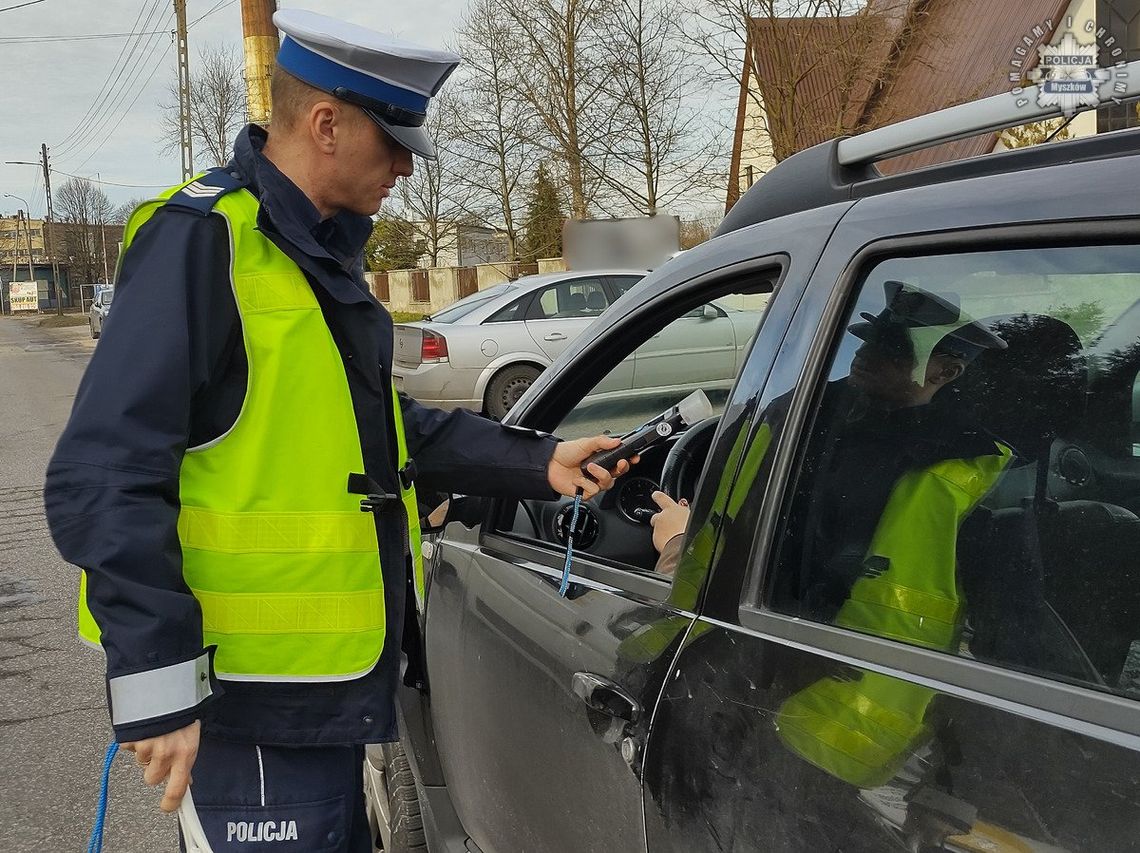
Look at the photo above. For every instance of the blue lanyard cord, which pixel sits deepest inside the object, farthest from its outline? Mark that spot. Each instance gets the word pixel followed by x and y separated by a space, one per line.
pixel 96 842
pixel 570 545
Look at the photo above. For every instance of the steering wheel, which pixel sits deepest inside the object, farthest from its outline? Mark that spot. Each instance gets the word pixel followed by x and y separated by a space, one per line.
pixel 686 456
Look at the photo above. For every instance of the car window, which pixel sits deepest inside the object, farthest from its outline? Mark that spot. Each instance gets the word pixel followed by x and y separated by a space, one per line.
pixel 692 351
pixel 1136 417
pixel 702 349
pixel 969 482
pixel 515 311
pixel 467 304
pixel 622 283
pixel 580 297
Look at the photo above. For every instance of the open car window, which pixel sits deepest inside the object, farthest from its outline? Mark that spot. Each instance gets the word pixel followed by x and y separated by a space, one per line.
pixel 691 347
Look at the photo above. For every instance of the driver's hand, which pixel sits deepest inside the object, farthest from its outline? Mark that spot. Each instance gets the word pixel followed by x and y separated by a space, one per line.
pixel 671 521
pixel 564 472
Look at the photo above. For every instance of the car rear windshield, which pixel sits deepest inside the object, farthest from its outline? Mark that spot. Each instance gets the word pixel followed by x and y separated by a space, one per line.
pixel 468 304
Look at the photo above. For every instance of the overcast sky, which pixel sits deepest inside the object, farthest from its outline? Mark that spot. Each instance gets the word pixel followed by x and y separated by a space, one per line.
pixel 48 86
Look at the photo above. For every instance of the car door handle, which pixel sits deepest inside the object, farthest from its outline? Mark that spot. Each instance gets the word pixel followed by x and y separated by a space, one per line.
pixel 555 336
pixel 603 695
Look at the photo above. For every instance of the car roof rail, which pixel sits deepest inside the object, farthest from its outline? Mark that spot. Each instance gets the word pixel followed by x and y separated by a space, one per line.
pixel 843 169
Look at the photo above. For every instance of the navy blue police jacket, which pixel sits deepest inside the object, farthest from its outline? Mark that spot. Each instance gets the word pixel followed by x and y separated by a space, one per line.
pixel 170 373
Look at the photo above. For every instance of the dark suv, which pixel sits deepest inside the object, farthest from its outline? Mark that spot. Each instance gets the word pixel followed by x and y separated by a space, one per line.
pixel 891 627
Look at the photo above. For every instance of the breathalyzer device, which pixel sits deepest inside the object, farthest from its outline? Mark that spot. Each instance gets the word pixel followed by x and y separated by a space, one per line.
pixel 696 407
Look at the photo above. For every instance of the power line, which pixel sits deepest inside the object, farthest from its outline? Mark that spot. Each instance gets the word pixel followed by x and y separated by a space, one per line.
pixel 135 54
pixel 88 37
pixel 221 4
pixel 111 132
pixel 33 198
pixel 21 5
pixel 104 91
pixel 117 95
pixel 111 183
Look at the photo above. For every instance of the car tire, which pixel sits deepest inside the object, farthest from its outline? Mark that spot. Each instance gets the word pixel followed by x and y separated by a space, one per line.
pixel 507 386
pixel 396 820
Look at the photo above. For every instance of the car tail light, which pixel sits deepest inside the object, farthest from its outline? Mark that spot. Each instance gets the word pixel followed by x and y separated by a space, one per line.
pixel 434 347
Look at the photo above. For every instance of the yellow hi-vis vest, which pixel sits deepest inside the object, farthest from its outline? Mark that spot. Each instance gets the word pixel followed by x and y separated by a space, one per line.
pixel 285 566
pixel 862 730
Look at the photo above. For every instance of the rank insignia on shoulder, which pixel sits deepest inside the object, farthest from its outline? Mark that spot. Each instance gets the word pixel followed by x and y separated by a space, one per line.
pixel 202 193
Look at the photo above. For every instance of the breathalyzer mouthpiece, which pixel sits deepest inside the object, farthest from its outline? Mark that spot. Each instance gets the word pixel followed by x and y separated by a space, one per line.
pixel 696 407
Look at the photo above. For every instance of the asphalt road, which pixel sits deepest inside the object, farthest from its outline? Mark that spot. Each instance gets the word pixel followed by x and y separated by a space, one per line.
pixel 53 720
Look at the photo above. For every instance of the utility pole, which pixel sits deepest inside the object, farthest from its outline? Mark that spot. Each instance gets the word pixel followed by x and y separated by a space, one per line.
pixel 15 260
pixel 16 247
pixel 184 92
pixel 28 232
pixel 49 246
pixel 259 40
pixel 103 230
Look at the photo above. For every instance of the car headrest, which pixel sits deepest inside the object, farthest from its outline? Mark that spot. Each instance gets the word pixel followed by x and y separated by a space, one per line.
pixel 1031 392
pixel 575 302
pixel 596 301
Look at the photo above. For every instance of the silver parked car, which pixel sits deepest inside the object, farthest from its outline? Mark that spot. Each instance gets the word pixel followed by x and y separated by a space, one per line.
pixel 100 309
pixel 485 350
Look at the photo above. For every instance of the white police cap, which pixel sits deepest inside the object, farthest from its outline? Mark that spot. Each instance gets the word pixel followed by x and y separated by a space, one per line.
pixel 392 80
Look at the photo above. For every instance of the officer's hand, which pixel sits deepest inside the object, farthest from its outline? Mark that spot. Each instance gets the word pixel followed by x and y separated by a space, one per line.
pixel 565 474
pixel 672 520
pixel 168 758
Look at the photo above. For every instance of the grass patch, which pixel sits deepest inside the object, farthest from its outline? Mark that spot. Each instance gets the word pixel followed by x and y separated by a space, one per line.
pixel 406 316
pixel 55 321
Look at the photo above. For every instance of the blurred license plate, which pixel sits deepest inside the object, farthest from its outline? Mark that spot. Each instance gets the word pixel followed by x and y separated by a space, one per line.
pixel 398 381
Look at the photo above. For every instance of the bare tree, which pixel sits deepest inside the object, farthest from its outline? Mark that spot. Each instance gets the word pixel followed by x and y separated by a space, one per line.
pixel 432 199
pixel 656 153
pixel 558 72
pixel 83 210
pixel 217 105
pixel 782 47
pixel 122 213
pixel 495 131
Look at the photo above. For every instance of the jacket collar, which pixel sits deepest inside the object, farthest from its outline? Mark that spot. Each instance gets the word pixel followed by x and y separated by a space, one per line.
pixel 323 248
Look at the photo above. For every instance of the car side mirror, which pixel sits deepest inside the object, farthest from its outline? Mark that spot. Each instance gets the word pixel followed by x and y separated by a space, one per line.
pixel 709 312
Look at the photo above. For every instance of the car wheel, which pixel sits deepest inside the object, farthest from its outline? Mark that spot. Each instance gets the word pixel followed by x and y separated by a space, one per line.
pixel 507 386
pixel 393 802
pixel 94 334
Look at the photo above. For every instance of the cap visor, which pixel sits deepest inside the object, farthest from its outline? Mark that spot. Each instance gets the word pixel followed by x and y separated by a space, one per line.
pixel 415 139
pixel 863 330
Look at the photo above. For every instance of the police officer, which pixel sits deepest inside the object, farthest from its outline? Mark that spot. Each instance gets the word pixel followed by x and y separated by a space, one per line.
pixel 235 419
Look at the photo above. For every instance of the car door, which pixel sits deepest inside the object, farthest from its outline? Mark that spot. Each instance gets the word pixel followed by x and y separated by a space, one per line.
pixel 793 720
pixel 697 350
pixel 551 703
pixel 560 312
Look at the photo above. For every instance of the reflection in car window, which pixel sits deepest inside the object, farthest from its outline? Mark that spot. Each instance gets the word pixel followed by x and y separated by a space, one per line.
pixel 623 282
pixel 515 311
pixel 969 483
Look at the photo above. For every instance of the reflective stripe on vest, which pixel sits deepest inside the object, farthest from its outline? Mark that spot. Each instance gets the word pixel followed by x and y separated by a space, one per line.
pixel 863 729
pixel 283 563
